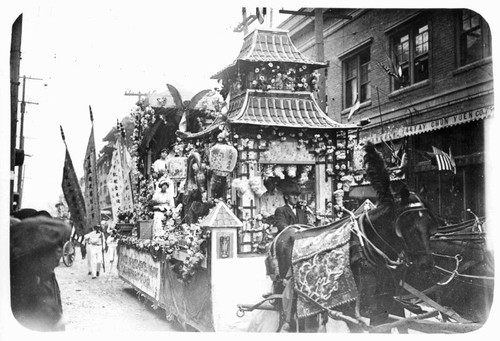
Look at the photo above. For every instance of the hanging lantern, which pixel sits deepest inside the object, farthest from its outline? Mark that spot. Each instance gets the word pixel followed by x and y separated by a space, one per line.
pixel 223 159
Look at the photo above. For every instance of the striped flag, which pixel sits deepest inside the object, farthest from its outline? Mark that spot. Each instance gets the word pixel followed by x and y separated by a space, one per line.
pixel 91 181
pixel 445 162
pixel 73 195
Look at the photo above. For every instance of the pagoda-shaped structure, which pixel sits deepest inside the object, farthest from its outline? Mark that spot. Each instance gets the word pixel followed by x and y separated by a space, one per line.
pixel 279 131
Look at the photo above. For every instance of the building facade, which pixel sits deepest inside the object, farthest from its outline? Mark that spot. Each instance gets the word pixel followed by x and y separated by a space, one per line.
pixel 424 80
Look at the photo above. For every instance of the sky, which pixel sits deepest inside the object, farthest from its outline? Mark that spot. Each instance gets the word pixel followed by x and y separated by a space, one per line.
pixel 81 54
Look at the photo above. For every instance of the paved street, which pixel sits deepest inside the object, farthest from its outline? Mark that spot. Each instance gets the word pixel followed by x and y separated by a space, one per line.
pixel 106 303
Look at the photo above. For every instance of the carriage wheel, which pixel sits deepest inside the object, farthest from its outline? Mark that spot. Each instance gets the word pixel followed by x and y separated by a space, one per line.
pixel 68 255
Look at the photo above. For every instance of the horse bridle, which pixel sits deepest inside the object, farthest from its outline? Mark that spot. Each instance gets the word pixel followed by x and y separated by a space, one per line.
pixel 412 207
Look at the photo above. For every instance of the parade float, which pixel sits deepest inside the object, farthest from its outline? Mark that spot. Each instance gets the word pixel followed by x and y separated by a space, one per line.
pixel 231 152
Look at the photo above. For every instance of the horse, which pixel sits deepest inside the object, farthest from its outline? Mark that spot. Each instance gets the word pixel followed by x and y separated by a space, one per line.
pixel 389 239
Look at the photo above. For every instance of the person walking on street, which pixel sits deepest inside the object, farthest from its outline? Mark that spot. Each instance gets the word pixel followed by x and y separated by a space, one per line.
pixel 96 244
pixel 35 250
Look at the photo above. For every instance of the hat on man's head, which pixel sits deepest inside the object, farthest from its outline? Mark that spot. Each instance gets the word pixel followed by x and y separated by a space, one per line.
pixel 164 149
pixel 290 187
pixel 35 235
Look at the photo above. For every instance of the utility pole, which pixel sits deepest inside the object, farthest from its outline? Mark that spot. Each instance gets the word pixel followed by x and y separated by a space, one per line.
pixel 320 55
pixel 20 179
pixel 15 61
pixel 319 14
pixel 138 94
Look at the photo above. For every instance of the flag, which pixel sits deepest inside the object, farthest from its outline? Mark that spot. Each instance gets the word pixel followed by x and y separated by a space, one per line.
pixel 444 161
pixel 354 108
pixel 91 189
pixel 74 197
pixel 260 12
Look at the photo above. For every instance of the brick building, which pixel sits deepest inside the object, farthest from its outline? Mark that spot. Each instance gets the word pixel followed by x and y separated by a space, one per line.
pixel 424 79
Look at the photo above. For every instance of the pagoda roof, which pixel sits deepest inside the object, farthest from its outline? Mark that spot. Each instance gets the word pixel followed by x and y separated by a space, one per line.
pixel 275 108
pixel 270 45
pixel 281 109
pixel 221 216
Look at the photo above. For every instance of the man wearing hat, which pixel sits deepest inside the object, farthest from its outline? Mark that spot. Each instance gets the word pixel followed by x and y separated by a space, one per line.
pixel 290 213
pixel 160 165
pixel 95 246
pixel 35 250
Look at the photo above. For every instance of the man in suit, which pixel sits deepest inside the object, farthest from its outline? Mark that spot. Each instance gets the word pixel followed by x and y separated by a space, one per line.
pixel 290 213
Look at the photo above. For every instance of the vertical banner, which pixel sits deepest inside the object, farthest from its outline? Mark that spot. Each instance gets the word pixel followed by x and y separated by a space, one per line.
pixel 115 181
pixel 91 182
pixel 127 202
pixel 74 197
pixel 118 180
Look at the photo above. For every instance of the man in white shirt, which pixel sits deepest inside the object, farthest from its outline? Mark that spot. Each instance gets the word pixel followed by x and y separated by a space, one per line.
pixel 95 247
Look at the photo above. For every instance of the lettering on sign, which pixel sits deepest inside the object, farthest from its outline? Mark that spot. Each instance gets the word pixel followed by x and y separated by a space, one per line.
pixel 439 123
pixel 140 270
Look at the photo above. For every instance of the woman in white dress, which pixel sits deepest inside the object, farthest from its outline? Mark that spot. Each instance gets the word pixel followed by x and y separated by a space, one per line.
pixel 163 201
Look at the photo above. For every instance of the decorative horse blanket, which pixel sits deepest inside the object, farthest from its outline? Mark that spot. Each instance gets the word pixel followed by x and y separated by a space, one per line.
pixel 321 270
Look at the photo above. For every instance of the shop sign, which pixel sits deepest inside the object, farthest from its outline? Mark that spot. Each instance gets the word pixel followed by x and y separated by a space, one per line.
pixel 444 122
pixel 391 133
pixel 140 270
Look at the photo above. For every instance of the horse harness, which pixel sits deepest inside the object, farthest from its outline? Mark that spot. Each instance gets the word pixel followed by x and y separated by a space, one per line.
pixel 372 250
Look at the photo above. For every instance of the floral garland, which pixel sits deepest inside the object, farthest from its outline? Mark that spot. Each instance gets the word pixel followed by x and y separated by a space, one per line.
pixel 189 239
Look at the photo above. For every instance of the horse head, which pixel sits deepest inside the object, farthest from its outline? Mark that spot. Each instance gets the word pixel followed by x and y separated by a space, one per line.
pixel 414 225
pixel 406 226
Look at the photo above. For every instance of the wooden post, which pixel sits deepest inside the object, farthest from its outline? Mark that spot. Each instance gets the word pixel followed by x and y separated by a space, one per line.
pixel 320 55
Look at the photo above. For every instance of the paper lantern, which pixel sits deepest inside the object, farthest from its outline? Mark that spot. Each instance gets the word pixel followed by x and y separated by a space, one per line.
pixel 223 159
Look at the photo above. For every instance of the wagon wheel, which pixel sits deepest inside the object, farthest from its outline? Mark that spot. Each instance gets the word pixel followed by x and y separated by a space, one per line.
pixel 68 255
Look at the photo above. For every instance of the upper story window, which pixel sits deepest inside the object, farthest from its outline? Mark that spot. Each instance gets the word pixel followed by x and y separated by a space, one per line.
pixel 356 78
pixel 410 48
pixel 475 37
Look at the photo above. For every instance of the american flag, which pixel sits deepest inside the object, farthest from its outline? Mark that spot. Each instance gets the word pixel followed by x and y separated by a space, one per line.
pixel 445 162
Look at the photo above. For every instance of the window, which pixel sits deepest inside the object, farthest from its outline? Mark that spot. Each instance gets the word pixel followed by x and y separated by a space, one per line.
pixel 357 80
pixel 411 55
pixel 475 37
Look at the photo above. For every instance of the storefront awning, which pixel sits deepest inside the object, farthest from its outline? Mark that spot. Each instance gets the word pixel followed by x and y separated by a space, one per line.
pixel 435 124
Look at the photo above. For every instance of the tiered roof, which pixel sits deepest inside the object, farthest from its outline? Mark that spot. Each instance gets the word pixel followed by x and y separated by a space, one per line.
pixel 269 45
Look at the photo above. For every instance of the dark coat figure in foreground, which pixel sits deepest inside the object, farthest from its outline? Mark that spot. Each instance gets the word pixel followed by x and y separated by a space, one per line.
pixel 291 213
pixel 35 250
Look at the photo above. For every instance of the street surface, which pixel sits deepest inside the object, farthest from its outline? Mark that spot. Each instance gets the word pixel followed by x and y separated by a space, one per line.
pixel 106 303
